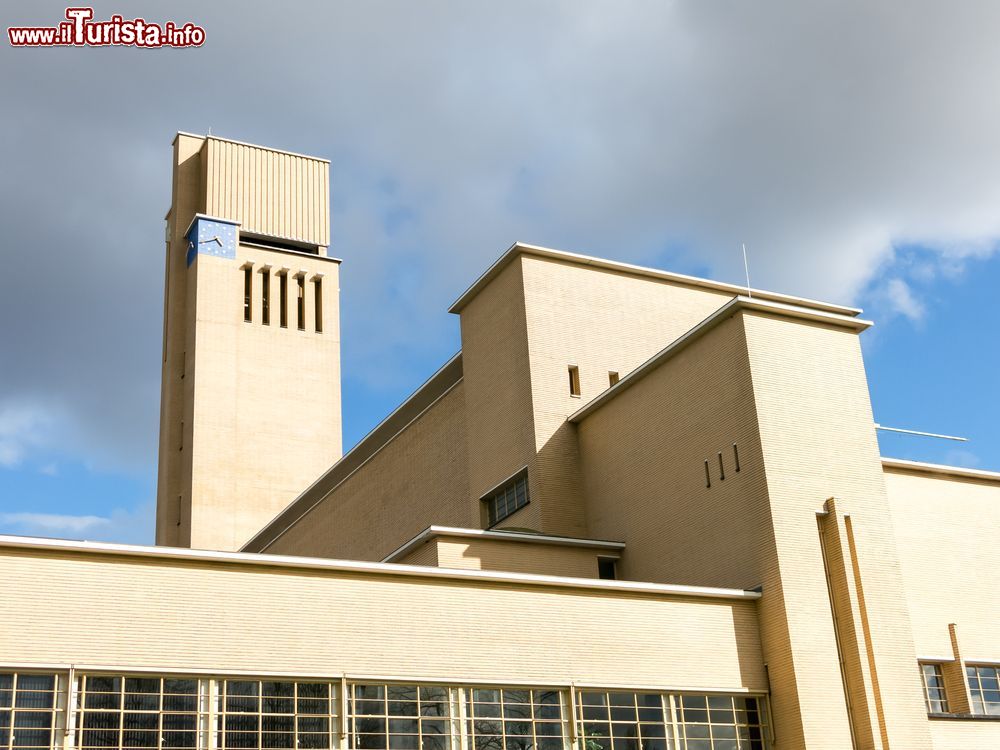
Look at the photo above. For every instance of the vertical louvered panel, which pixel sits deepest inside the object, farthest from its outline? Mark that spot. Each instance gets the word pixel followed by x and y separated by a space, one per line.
pixel 269 192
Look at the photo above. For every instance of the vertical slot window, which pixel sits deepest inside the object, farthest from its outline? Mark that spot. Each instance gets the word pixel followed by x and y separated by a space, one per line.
pixel 613 378
pixel 300 302
pixel 318 289
pixel 574 380
pixel 247 294
pixel 283 300
pixel 265 296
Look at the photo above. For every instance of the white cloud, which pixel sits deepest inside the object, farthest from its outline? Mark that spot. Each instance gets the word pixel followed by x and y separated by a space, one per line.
pixel 23 427
pixel 52 523
pixel 902 300
pixel 133 525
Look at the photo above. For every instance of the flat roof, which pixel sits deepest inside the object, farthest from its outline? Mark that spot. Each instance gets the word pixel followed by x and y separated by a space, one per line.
pixel 724 312
pixel 388 570
pixel 521 248
pixel 431 532
pixel 919 467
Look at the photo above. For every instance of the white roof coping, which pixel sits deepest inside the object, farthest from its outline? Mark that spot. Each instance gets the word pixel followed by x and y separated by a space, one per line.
pixel 432 532
pixel 519 248
pixel 376 568
pixel 942 469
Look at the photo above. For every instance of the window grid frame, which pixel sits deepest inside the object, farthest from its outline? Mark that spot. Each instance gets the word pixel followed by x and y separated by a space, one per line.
pixel 509 497
pixel 537 741
pixel 387 716
pixel 938 703
pixel 12 710
pixel 219 725
pixel 974 674
pixel 564 726
pixel 676 726
pixel 122 710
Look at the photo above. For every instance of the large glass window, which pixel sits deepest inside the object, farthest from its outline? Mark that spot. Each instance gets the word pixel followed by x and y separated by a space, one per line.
pixel 625 721
pixel 27 710
pixel 656 721
pixel 720 722
pixel 276 714
pixel 512 495
pixel 514 719
pixel 138 712
pixel 400 717
pixel 984 687
pixel 934 694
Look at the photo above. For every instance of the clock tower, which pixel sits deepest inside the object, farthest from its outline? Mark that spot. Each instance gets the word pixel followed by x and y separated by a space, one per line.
pixel 250 395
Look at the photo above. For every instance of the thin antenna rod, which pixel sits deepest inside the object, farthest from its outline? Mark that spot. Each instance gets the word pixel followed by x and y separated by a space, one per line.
pixel 746 268
pixel 921 434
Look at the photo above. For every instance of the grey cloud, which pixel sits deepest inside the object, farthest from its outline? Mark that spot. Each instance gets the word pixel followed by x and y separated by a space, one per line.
pixel 822 134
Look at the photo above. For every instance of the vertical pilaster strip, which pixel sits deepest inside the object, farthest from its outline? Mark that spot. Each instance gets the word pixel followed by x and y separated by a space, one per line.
pixel 956 686
pixel 866 629
pixel 857 669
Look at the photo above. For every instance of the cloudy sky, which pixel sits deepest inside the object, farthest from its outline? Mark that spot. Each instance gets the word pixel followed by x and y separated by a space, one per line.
pixel 855 148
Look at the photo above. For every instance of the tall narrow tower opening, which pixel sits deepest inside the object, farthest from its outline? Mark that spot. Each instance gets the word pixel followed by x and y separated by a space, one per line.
pixel 250 411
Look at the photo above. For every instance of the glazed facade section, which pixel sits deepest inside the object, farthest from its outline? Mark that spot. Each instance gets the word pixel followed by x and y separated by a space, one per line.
pixel 183 712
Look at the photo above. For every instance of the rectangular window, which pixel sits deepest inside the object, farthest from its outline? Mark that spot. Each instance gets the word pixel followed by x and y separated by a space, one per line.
pixel 934 695
pixel 607 568
pixel 984 687
pixel 509 497
pixel 318 289
pixel 247 294
pixel 138 712
pixel 515 719
pixel 574 380
pixel 613 377
pixel 300 301
pixel 27 710
pixel 656 721
pixel 283 300
pixel 400 717
pixel 265 297
pixel 276 714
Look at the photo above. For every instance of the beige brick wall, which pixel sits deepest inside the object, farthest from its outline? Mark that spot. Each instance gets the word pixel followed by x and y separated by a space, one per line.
pixel 598 320
pixel 230 616
pixel 946 533
pixel 498 398
pixel 643 457
pixel 416 479
pixel 266 401
pixel 818 441
pixel 517 557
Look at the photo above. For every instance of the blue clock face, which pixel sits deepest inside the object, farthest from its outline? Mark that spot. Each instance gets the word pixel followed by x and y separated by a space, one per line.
pixel 211 237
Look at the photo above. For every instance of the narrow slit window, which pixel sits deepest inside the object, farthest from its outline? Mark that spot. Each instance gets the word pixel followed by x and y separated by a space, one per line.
pixel 247 294
pixel 283 300
pixel 613 378
pixel 318 289
pixel 265 297
pixel 736 456
pixel 300 302
pixel 574 380
pixel 708 476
